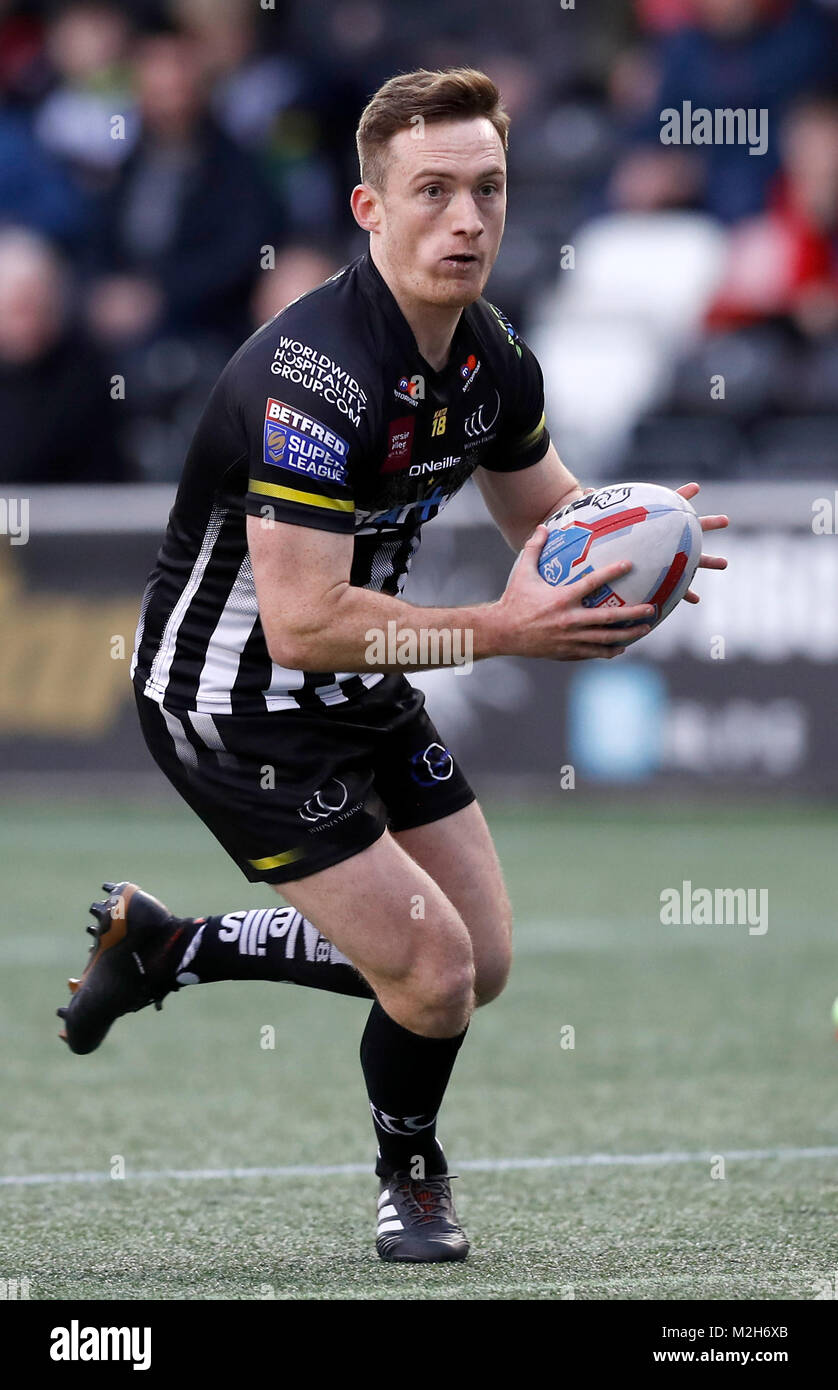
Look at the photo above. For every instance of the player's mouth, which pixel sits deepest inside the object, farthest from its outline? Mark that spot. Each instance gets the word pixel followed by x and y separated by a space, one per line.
pixel 461 261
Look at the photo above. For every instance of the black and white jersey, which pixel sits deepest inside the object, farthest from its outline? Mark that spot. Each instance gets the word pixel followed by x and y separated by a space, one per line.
pixel 328 416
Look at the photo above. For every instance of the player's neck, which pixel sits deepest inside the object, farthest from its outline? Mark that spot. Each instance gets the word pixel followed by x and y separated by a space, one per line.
pixel 433 325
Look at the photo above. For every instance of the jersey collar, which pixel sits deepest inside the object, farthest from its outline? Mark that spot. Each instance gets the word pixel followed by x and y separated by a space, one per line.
pixel 385 301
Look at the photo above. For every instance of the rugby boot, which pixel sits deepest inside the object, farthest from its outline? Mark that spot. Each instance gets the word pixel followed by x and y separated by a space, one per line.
pixel 417 1222
pixel 132 964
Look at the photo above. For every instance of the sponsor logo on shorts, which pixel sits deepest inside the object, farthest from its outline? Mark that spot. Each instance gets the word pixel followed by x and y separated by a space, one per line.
pixel 325 802
pixel 296 441
pixel 433 764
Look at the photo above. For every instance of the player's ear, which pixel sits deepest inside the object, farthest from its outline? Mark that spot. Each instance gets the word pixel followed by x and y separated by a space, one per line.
pixel 366 207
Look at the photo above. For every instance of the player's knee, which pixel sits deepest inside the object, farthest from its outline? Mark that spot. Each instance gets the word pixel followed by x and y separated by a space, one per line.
pixel 438 993
pixel 451 991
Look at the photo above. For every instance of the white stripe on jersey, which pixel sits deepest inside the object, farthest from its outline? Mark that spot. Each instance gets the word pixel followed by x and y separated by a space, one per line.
pixel 158 677
pixel 224 649
pixel 282 680
pixel 183 747
pixel 225 646
pixel 332 694
pixel 205 726
pixel 138 635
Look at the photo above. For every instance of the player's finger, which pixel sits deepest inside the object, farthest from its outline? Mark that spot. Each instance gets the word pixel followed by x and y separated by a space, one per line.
pixel 586 652
pixel 688 490
pixel 609 636
pixel 532 548
pixel 714 523
pixel 538 537
pixel 607 617
pixel 712 562
pixel 691 596
pixel 581 588
pixel 527 556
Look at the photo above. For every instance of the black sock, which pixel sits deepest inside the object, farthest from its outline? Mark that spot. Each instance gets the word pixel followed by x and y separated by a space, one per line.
pixel 406 1076
pixel 270 943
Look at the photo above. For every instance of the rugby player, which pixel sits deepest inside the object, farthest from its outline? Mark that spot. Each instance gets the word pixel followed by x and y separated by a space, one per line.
pixel 333 435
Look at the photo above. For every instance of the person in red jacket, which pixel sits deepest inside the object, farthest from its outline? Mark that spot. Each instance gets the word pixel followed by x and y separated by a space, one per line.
pixel 784 263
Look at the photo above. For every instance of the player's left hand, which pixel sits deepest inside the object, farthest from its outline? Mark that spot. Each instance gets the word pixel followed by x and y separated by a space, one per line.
pixel 708 523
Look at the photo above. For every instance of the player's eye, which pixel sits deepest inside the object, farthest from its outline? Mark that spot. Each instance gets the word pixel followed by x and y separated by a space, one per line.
pixel 487 189
pixel 433 191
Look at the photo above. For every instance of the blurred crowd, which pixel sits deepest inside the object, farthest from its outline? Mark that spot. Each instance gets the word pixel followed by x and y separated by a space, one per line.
pixel 173 172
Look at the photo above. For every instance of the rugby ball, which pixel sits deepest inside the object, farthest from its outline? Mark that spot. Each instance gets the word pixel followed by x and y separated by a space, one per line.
pixel 655 528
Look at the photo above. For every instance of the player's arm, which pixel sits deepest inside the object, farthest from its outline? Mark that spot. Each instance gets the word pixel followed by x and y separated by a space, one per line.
pixel 300 507
pixel 518 501
pixel 315 619
pixel 521 477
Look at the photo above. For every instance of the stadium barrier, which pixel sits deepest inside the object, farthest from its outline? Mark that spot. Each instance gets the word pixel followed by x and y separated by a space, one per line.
pixel 737 695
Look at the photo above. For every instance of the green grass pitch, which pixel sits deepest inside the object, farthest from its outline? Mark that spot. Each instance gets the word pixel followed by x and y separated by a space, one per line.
pixel 692 1044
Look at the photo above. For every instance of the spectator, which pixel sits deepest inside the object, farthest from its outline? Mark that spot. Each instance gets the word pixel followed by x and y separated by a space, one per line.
pixel 23 69
pixel 59 422
pixel 274 104
pixel 182 233
pixel 784 263
pixel 298 269
pixel 35 190
pixel 87 43
pixel 749 54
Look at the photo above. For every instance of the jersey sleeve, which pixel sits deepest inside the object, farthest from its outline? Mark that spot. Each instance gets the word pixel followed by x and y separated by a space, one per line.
pixel 523 438
pixel 302 451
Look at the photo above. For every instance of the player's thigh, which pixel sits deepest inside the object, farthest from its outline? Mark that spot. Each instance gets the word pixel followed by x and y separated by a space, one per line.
pixel 458 853
pixel 383 910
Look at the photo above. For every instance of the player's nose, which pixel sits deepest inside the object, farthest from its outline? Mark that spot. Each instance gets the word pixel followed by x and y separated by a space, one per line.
pixel 466 215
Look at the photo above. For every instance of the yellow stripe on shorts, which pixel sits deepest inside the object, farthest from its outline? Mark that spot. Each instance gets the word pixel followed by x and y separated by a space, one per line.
pixel 276 861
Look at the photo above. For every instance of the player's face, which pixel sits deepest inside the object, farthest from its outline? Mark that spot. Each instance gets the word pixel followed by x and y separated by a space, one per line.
pixel 442 209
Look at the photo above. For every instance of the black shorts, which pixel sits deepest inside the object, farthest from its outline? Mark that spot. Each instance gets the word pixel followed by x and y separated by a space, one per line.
pixel 288 794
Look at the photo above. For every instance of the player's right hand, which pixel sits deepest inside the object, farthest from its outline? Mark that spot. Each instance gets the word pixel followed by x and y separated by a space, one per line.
pixel 552 622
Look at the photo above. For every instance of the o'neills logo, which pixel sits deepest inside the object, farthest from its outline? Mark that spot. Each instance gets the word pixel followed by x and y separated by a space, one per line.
pixel 77 1343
